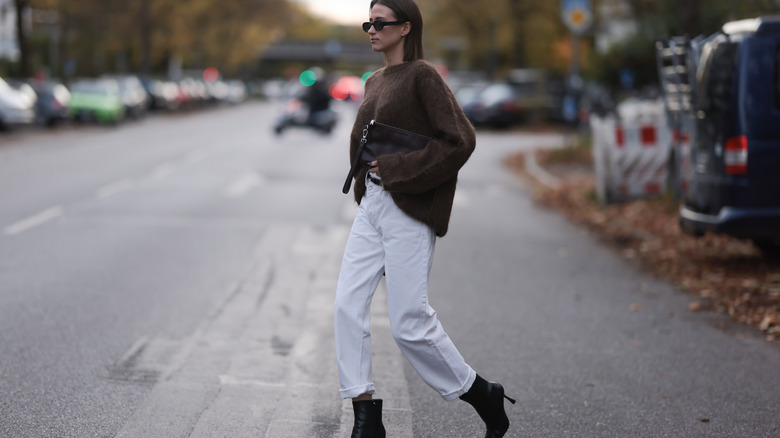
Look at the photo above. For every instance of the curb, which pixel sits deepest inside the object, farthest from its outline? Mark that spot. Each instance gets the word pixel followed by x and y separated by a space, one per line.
pixel 539 173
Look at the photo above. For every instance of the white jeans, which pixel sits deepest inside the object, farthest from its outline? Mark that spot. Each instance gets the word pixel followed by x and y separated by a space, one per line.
pixel 385 240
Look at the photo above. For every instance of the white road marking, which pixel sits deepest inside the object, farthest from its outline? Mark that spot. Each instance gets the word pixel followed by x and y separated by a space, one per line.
pixel 34 221
pixel 163 170
pixel 243 185
pixel 239 188
pixel 114 188
pixel 238 381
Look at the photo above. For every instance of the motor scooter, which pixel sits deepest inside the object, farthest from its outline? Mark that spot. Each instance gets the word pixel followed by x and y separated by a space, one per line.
pixel 297 114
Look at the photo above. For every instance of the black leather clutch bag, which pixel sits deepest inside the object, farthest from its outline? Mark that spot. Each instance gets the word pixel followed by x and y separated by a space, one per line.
pixel 381 139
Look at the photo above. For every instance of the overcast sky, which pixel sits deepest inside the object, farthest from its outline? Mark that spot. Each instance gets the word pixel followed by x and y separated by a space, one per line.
pixel 341 11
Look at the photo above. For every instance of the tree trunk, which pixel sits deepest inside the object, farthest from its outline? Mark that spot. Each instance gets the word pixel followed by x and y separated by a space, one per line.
pixel 517 14
pixel 24 69
pixel 146 37
pixel 689 18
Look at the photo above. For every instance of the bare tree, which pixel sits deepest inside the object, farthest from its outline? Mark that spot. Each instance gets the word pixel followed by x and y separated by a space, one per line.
pixel 145 23
pixel 690 22
pixel 21 36
pixel 519 11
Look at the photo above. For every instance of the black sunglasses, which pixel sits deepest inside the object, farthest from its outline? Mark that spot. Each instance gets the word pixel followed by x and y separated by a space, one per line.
pixel 379 24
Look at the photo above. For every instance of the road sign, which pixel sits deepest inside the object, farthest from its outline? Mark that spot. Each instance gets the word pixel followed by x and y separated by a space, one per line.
pixel 576 15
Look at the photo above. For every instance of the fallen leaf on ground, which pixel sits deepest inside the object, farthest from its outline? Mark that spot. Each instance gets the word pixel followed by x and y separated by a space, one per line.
pixel 731 275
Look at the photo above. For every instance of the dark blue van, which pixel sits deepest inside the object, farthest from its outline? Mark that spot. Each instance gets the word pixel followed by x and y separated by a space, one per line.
pixel 730 181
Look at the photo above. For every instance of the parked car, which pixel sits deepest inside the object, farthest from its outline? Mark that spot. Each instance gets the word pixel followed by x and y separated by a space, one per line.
pixel 218 91
pixel 466 94
pixel 162 94
pixel 133 94
pixel 195 92
pixel 730 178
pixel 493 106
pixel 23 87
pixel 96 100
pixel 237 92
pixel 532 91
pixel 53 98
pixel 17 106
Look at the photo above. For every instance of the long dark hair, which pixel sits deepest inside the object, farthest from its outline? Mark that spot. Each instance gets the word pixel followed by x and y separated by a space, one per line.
pixel 407 10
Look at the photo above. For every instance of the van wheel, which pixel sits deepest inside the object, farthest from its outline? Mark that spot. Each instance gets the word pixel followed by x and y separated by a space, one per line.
pixel 769 247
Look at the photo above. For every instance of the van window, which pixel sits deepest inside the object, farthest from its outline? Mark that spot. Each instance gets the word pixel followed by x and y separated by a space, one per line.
pixel 715 75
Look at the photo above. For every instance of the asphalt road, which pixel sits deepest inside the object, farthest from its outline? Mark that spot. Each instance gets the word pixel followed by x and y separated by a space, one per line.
pixel 174 278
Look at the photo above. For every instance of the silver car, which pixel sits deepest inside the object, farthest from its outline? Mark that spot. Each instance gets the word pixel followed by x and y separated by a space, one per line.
pixel 17 108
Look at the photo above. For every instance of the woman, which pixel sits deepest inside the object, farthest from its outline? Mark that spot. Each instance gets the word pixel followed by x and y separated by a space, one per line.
pixel 404 203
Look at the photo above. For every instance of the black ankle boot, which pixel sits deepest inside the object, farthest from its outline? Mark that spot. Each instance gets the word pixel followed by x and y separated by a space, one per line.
pixel 368 419
pixel 488 399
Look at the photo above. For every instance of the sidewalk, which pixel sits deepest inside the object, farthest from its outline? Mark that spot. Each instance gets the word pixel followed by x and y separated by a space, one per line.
pixel 740 281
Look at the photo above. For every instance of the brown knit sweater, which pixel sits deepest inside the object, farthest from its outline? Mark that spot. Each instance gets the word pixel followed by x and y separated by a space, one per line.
pixel 413 96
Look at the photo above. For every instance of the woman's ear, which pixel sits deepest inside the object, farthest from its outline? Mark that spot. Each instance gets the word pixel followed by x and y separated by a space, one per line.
pixel 406 29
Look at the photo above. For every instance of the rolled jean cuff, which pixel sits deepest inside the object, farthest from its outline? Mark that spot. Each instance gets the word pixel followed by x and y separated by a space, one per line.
pixel 464 389
pixel 355 391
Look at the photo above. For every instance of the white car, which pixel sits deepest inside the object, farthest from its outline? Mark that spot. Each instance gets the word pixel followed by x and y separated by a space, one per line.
pixel 17 108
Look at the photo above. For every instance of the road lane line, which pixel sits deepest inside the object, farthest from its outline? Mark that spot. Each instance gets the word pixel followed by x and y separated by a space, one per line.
pixel 114 188
pixel 243 185
pixel 163 170
pixel 34 221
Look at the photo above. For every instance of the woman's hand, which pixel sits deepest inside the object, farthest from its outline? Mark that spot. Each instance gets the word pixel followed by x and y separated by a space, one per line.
pixel 373 167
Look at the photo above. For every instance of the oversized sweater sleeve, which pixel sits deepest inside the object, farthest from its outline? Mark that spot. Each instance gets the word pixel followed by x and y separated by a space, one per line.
pixel 452 142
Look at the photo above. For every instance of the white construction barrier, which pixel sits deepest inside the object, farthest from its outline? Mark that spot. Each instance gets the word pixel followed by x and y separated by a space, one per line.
pixel 631 155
